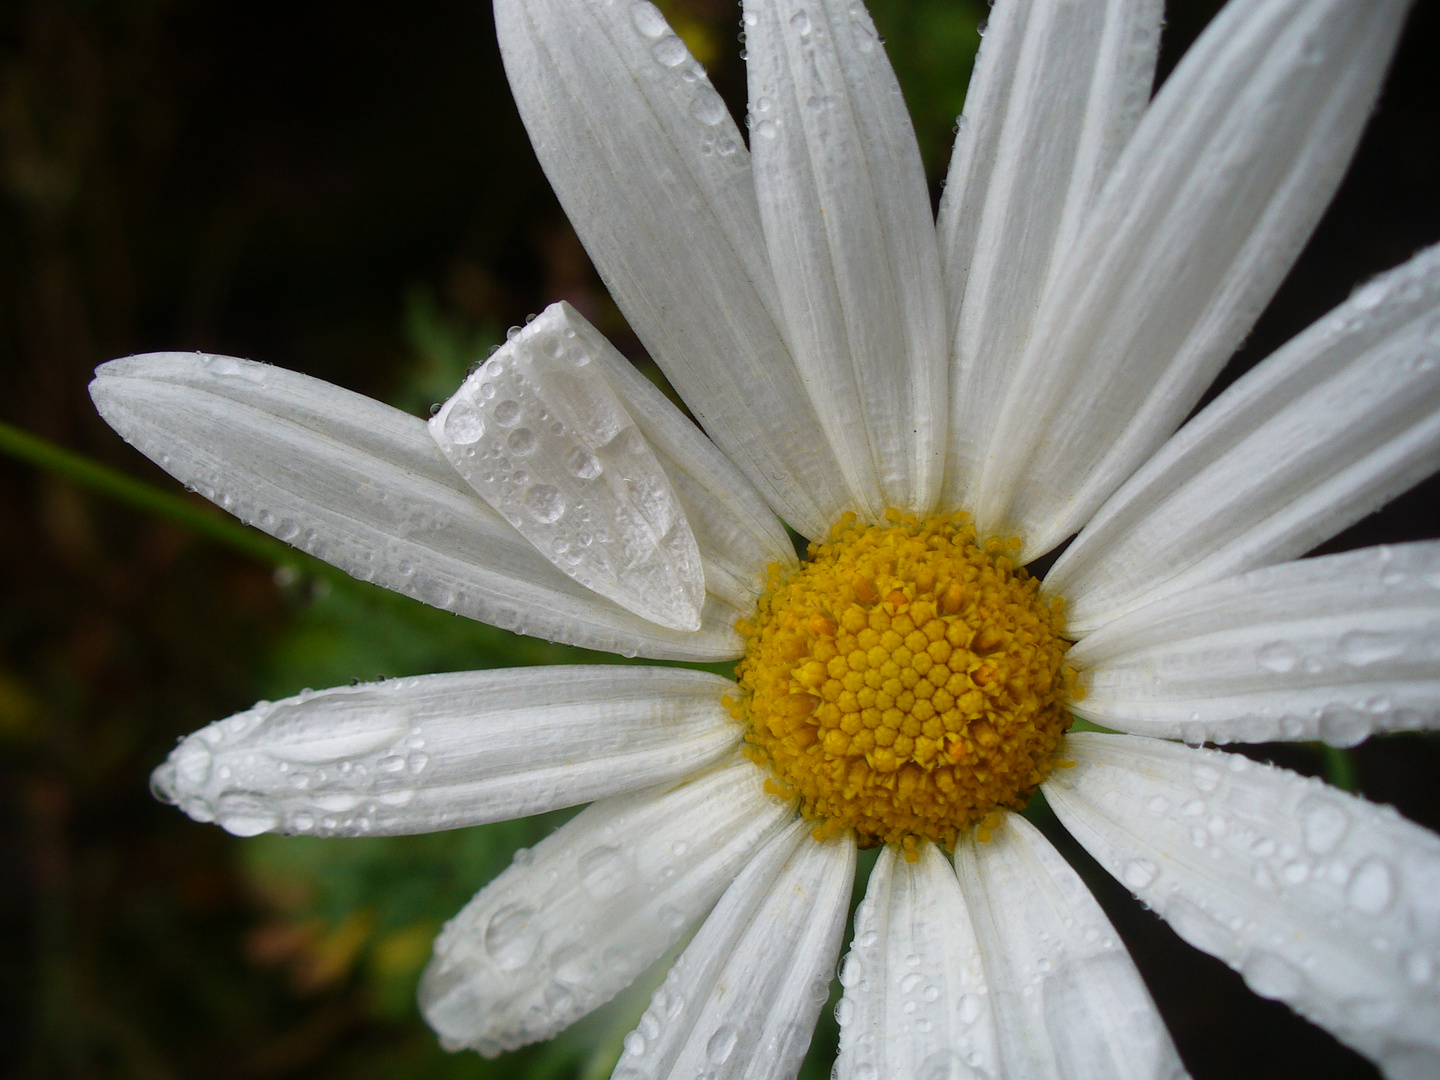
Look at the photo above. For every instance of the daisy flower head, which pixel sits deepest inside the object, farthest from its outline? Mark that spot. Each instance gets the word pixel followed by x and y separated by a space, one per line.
pixel 933 404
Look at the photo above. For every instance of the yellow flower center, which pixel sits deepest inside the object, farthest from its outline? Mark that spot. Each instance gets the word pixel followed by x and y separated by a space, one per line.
pixel 904 682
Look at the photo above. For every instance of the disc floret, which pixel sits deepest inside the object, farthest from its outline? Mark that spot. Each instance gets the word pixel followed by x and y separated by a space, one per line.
pixel 906 681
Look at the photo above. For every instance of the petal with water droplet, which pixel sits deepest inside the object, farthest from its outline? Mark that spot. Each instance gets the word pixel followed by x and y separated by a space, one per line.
pixel 907 1019
pixel 591 907
pixel 1332 648
pixel 364 487
pixel 850 235
pixel 1066 997
pixel 1343 418
pixel 655 178
pixel 1334 942
pixel 618 529
pixel 444 751
pixel 1204 212
pixel 755 976
pixel 1056 91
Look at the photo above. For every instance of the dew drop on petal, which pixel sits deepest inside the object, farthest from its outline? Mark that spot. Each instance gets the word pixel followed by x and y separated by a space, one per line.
pixel 511 937
pixel 463 424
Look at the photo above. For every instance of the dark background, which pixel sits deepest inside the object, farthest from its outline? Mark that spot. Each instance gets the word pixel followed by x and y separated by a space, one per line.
pixel 345 189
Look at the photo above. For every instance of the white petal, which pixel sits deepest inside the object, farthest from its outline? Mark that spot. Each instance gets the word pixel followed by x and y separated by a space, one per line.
pixel 443 751
pixel 850 235
pixel 539 432
pixel 1067 1000
pixel 575 919
pixel 363 486
pixel 1205 210
pixel 1333 648
pixel 1343 418
pixel 1318 898
pixel 655 178
pixel 738 534
pixel 916 1003
pixel 743 997
pixel 1057 89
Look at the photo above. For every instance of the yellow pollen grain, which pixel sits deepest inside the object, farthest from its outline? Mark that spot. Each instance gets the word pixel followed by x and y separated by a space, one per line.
pixel 905 681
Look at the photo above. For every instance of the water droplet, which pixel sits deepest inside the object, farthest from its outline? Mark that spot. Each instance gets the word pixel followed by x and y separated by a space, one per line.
pixel 463 424
pixel 507 413
pixel 1277 656
pixel 1371 888
pixel 511 936
pixel 302 822
pixel 1342 726
pixel 1272 977
pixel 1361 648
pixel 1207 779
pixel 604 871
pixel 648 20
pixel 416 763
pixel 1323 825
pixel 670 51
pixel 970 1008
pixel 1138 873
pixel 767 129
pixel 635 1044
pixel 800 23
pixel 521 441
pixel 720 1044
pixel 583 464
pixel 1370 296
pixel 244 817
pixel 910 982
pixel 545 503
pixel 708 107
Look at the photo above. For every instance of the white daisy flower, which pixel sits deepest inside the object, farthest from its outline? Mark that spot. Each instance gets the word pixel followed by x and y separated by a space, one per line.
pixel 870 377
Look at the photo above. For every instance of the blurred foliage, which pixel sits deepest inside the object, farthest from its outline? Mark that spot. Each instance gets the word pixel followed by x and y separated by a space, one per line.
pixel 344 189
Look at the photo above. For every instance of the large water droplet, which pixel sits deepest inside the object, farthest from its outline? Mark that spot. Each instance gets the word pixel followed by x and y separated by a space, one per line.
pixel 1277 656
pixel 583 464
pixel 1371 888
pixel 511 936
pixel 647 19
pixel 604 871
pixel 1138 873
pixel 670 51
pixel 970 1008
pixel 545 503
pixel 708 107
pixel 1362 648
pixel 244 817
pixel 1272 977
pixel 463 424
pixel 507 413
pixel 720 1044
pixel 521 441
pixel 1323 825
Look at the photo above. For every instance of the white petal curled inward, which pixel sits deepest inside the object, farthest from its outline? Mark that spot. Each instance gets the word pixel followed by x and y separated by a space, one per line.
pixel 916 1004
pixel 1318 898
pixel 578 917
pixel 737 532
pixel 1204 212
pixel 1058 87
pixel 654 176
pixel 742 999
pixel 852 241
pixel 541 434
pixel 364 487
pixel 1337 422
pixel 1334 648
pixel 435 752
pixel 1065 994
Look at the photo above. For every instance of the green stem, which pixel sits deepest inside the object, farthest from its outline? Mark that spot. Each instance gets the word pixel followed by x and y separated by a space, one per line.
pixel 1339 767
pixel 190 513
